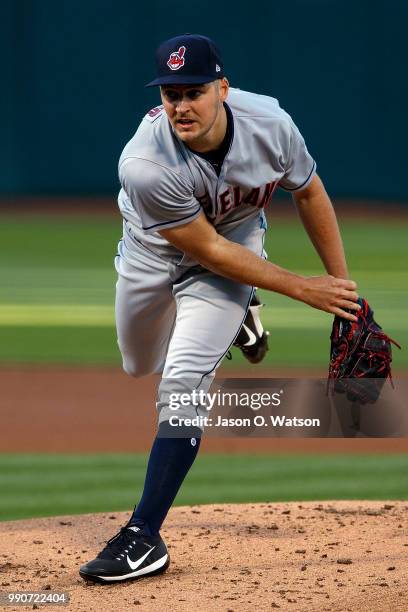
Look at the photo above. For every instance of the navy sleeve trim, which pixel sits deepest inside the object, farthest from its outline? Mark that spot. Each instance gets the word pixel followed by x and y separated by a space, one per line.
pixel 304 182
pixel 149 227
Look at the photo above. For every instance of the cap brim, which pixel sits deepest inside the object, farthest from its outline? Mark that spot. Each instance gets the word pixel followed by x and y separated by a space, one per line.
pixel 179 79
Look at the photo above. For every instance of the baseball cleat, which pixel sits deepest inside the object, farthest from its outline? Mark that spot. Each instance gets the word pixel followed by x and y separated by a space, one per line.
pixel 127 556
pixel 252 339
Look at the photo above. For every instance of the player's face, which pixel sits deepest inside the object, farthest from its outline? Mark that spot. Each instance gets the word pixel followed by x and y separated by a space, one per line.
pixel 196 113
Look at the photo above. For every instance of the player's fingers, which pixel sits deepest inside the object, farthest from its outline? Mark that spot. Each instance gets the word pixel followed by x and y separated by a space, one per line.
pixel 348 304
pixel 344 315
pixel 346 284
pixel 349 295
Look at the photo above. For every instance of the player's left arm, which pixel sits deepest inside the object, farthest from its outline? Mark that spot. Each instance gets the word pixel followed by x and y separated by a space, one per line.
pixel 319 219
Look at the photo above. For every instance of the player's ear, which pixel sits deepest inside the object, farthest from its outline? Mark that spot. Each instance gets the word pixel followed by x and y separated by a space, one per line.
pixel 223 88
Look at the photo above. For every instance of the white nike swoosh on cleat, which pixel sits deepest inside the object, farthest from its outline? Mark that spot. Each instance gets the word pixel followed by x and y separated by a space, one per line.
pixel 256 318
pixel 251 336
pixel 135 564
pixel 156 565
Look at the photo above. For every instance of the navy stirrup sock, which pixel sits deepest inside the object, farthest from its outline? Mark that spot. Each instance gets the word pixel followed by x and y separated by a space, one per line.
pixel 169 462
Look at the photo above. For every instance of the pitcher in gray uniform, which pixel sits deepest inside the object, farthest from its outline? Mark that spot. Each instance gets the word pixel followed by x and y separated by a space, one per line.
pixel 196 179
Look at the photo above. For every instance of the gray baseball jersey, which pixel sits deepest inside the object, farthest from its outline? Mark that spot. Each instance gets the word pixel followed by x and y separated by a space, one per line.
pixel 172 316
pixel 164 184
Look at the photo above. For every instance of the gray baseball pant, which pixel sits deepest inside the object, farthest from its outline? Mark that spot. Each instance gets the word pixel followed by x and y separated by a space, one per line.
pixel 179 322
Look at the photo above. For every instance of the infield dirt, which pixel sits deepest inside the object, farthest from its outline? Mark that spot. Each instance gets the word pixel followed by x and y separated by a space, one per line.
pixel 318 557
pixel 309 556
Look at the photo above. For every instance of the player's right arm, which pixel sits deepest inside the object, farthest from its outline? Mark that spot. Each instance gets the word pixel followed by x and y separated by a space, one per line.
pixel 166 204
pixel 199 240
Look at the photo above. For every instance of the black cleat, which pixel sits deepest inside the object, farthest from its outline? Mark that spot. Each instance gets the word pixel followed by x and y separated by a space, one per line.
pixel 252 339
pixel 126 556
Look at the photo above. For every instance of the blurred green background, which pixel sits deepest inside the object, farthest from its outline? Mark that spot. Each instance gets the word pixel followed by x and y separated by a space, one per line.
pixel 46 485
pixel 58 283
pixel 56 307
pixel 73 96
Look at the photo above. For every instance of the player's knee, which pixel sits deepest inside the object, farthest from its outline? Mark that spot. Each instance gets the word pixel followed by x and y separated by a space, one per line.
pixel 133 368
pixel 137 368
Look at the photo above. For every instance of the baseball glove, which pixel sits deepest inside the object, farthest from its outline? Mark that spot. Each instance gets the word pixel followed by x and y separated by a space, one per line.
pixel 360 356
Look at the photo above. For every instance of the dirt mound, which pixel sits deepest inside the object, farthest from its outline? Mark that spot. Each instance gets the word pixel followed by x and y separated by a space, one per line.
pixel 330 556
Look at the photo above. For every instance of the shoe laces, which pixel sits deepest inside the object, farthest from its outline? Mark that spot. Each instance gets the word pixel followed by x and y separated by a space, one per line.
pixel 119 543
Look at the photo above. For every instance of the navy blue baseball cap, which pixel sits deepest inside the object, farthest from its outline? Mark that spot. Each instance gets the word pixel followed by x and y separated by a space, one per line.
pixel 187 59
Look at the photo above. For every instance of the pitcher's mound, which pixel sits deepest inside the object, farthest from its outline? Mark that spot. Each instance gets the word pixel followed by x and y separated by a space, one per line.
pixel 314 556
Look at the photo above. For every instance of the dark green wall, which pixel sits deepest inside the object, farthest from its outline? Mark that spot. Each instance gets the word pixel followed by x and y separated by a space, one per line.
pixel 74 74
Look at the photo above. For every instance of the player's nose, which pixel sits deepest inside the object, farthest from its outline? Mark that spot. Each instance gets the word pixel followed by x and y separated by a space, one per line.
pixel 182 105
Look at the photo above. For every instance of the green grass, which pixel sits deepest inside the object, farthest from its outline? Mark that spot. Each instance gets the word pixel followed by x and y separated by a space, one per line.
pixel 58 284
pixel 60 241
pixel 46 485
pixel 60 345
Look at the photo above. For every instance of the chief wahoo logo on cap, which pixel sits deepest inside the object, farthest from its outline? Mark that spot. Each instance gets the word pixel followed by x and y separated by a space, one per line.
pixel 176 59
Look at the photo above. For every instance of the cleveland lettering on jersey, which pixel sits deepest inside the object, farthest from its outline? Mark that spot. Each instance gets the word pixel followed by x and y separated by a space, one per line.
pixel 233 197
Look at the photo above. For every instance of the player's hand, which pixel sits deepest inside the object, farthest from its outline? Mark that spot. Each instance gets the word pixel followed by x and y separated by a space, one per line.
pixel 331 294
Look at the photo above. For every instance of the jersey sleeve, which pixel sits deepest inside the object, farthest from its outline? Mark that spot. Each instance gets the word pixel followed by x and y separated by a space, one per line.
pixel 161 197
pixel 300 166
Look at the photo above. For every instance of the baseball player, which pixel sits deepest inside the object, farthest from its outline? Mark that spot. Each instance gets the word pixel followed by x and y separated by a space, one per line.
pixel 196 178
